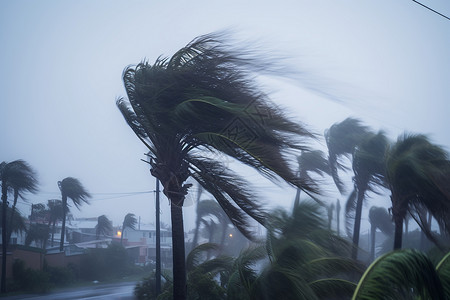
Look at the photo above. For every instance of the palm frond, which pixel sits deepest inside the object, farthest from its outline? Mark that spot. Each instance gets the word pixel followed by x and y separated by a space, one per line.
pixel 380 218
pixel 73 189
pixel 129 221
pixel 400 275
pixel 197 254
pixel 341 139
pixel 443 270
pixel 19 176
pixel 332 288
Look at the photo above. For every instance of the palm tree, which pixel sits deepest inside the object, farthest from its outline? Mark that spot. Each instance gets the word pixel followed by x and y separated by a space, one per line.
pixel 103 227
pixel 418 173
pixel 38 233
pixel 129 221
pixel 341 139
pixel 197 218
pixel 19 177
pixel 202 101
pixel 379 218
pixel 369 168
pixel 55 209
pixel 311 161
pixel 70 188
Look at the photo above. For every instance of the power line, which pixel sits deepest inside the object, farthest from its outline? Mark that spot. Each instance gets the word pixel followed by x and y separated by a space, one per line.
pixel 432 10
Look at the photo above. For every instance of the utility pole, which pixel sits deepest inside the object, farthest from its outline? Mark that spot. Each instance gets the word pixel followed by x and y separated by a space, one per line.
pixel 158 242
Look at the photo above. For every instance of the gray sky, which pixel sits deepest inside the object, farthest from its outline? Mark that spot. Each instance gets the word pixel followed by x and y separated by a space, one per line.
pixel 61 64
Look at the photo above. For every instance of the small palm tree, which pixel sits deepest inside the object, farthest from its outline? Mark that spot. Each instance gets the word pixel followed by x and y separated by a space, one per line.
pixel 55 209
pixel 103 227
pixel 418 173
pixel 379 218
pixel 129 221
pixel 369 168
pixel 341 139
pixel 203 101
pixel 311 161
pixel 19 177
pixel 38 233
pixel 73 189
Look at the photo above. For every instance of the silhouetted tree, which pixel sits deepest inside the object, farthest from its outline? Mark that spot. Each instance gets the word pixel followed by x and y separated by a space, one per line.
pixel 379 218
pixel 204 100
pixel 418 174
pixel 73 189
pixel 129 221
pixel 103 227
pixel 19 177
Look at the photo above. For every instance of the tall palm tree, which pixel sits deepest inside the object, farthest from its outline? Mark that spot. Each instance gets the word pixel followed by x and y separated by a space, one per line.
pixel 73 189
pixel 341 139
pixel 379 218
pixel 311 161
pixel 369 168
pixel 129 221
pixel 103 227
pixel 19 177
pixel 204 100
pixel 418 173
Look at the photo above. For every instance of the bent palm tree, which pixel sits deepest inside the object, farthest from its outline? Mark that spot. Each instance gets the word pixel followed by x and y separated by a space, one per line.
pixel 19 177
pixel 379 218
pixel 103 227
pixel 70 188
pixel 201 101
pixel 312 161
pixel 369 168
pixel 341 139
pixel 418 173
pixel 129 221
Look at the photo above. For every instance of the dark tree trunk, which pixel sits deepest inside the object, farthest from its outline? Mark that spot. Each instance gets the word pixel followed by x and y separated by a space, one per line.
pixel 178 250
pixel 373 230
pixel 53 230
pixel 398 234
pixel 63 226
pixel 297 198
pixel 357 225
pixel 338 213
pixel 16 196
pixel 158 242
pixel 4 236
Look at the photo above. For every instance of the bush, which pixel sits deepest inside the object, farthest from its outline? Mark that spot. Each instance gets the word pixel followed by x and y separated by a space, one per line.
pixel 29 280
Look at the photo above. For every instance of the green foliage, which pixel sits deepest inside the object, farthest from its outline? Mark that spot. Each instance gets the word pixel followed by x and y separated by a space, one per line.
pixel 402 274
pixel 29 280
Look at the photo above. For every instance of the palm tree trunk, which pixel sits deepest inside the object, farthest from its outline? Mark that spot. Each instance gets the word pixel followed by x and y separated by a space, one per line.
pixel 178 250
pixel 398 234
pixel 121 235
pixel 357 225
pixel 338 213
pixel 63 226
pixel 158 242
pixel 373 230
pixel 53 230
pixel 4 244
pixel 16 196
pixel 297 198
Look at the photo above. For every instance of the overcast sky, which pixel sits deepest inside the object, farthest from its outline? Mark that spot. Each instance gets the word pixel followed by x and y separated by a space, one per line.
pixel 61 64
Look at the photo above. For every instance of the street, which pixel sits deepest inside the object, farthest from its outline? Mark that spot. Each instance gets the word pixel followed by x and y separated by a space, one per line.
pixel 118 291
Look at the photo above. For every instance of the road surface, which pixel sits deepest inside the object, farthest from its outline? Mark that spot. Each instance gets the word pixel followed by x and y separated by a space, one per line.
pixel 116 291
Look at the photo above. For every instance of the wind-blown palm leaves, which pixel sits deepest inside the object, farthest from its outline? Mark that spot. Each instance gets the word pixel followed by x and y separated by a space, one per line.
pixel 71 188
pixel 19 177
pixel 379 218
pixel 341 139
pixel 369 168
pixel 418 173
pixel 55 209
pixel 311 161
pixel 129 221
pixel 402 274
pixel 103 227
pixel 204 100
pixel 307 260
